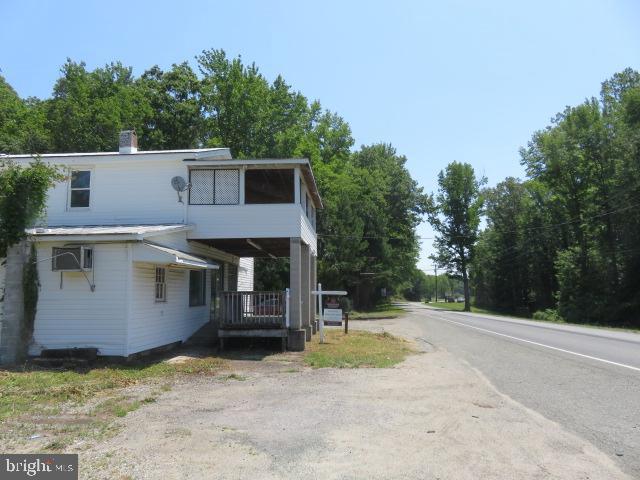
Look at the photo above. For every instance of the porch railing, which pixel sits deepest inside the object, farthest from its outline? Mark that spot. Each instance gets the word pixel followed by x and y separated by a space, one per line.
pixel 253 310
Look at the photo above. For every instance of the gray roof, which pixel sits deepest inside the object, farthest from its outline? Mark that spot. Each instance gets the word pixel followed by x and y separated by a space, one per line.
pixel 219 152
pixel 139 231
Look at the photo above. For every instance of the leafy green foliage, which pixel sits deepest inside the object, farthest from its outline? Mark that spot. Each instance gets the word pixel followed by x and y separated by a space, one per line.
pixel 23 193
pixel 174 118
pixel 566 240
pixel 22 123
pixel 455 215
pixel 513 271
pixel 372 205
pixel 30 288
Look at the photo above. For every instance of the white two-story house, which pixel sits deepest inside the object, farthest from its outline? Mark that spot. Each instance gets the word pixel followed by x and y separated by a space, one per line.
pixel 139 250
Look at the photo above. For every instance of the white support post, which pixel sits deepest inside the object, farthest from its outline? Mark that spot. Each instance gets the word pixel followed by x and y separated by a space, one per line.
pixel 296 186
pixel 241 187
pixel 321 320
pixel 287 307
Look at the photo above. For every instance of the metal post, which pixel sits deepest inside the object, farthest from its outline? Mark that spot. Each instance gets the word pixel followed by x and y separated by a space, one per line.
pixel 436 271
pixel 321 321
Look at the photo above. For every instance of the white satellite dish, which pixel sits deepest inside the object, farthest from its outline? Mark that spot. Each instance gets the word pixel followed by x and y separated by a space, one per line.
pixel 180 185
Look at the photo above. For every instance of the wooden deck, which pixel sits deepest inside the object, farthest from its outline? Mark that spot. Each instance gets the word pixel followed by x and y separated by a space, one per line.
pixel 253 314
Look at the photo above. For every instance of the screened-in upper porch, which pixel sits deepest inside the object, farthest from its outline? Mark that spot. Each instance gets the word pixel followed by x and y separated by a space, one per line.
pixel 263 201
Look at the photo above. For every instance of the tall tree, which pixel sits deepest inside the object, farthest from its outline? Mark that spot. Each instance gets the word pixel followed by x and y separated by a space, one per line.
pixel 88 109
pixel 455 215
pixel 22 123
pixel 372 205
pixel 174 119
pixel 513 270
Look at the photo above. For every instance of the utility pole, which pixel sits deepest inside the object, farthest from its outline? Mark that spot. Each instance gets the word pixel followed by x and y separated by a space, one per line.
pixel 435 269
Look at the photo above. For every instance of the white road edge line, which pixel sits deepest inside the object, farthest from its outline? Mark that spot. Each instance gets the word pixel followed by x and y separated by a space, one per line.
pixel 546 346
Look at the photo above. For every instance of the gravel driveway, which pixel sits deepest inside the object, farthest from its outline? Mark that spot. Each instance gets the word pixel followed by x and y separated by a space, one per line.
pixel 430 417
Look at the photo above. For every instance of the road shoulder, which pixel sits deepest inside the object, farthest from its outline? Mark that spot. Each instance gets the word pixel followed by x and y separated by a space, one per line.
pixel 430 417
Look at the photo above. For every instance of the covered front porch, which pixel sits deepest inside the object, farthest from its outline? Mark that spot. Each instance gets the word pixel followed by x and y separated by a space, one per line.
pixel 287 314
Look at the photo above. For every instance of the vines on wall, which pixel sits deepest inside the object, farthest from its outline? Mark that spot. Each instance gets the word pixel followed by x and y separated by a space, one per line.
pixel 23 196
pixel 30 288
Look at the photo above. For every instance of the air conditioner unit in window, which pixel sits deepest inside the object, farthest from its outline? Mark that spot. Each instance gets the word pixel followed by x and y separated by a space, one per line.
pixel 72 259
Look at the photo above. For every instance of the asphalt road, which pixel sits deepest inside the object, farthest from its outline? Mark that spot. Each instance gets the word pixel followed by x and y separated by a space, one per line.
pixel 585 379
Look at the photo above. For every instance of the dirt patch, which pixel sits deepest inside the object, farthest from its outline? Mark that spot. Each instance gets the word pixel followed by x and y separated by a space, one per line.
pixel 429 417
pixel 269 416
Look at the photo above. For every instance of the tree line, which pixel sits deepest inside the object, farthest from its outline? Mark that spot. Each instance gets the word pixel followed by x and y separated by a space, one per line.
pixel 367 236
pixel 563 244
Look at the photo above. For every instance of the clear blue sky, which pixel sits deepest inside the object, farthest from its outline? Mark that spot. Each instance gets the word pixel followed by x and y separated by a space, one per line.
pixel 440 80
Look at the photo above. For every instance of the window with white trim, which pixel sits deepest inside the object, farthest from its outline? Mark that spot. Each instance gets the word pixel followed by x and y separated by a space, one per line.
pixel 80 189
pixel 161 284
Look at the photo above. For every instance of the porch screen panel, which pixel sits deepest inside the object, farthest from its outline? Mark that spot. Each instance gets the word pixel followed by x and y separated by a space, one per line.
pixel 227 187
pixel 201 192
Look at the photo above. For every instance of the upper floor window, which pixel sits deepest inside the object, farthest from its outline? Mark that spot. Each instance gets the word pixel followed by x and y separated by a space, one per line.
pixel 214 187
pixel 80 189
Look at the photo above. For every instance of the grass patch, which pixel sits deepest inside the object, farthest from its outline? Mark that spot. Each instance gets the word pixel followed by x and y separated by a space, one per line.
pixel 38 391
pixel 356 350
pixel 459 307
pixel 66 406
pixel 384 310
pixel 547 316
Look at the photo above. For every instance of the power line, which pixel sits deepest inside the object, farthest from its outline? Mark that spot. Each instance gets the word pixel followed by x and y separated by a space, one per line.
pixel 526 229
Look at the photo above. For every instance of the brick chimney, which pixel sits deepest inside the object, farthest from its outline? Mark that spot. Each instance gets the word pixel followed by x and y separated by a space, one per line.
pixel 128 141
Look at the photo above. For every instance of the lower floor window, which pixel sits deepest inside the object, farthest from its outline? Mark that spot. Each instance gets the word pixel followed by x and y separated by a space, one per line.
pixel 197 287
pixel 161 284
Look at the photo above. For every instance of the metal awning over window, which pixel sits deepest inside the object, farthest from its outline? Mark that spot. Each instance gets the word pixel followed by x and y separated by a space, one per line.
pixel 150 253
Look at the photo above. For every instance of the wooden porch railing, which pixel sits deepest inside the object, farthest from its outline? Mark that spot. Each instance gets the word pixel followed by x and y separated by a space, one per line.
pixel 249 310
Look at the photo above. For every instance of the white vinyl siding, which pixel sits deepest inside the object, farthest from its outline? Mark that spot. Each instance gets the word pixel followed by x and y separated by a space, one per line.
pixel 308 233
pixel 122 193
pixel 154 324
pixel 245 221
pixel 245 274
pixel 139 192
pixel 70 315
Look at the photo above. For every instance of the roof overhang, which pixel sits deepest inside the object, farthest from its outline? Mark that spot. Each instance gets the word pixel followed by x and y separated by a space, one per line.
pixel 150 253
pixel 144 155
pixel 115 233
